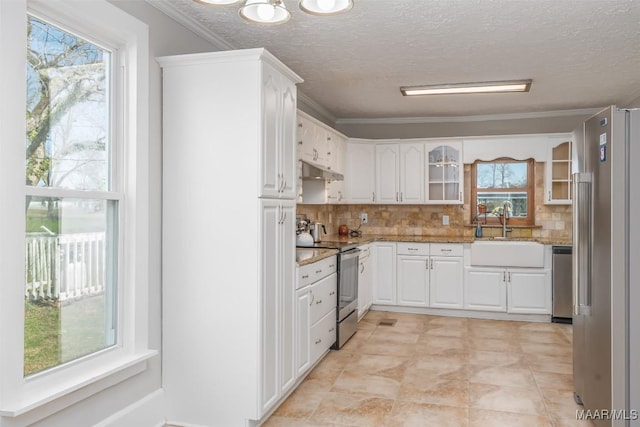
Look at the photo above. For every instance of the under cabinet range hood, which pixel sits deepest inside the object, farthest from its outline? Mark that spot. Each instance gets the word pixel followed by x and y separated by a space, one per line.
pixel 311 171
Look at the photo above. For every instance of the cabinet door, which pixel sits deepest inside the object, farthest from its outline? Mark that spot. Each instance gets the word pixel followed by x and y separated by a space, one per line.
pixel 270 175
pixel 286 289
pixel 360 172
pixel 412 173
pixel 287 148
pixel 529 291
pixel 444 173
pixel 413 280
pixel 384 279
pixel 446 282
pixel 364 286
pixel 387 181
pixel 271 304
pixel 558 170
pixel 303 330
pixel 485 289
pixel 305 135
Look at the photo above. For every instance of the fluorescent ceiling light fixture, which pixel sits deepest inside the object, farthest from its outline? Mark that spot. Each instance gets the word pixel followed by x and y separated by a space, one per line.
pixel 467 88
pixel 325 7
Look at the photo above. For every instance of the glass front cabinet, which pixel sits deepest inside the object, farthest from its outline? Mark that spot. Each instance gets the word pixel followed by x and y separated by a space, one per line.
pixel 558 174
pixel 444 173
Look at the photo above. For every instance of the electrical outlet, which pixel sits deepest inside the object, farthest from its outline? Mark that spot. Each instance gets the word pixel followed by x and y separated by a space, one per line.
pixel 364 218
pixel 445 219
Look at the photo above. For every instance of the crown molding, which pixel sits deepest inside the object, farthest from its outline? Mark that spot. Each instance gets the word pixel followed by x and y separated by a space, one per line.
pixel 478 118
pixel 168 8
pixel 315 109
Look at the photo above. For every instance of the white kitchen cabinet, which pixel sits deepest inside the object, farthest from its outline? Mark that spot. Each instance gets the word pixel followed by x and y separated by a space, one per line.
pixel 485 289
pixel 322 313
pixel 400 173
pixel 413 280
pixel 360 178
pixel 430 275
pixel 336 193
pixel 446 281
pixel 303 331
pixel 277 157
pixel 514 290
pixel 223 112
pixel 305 137
pixel 444 172
pixel 365 278
pixel 558 168
pixel 387 175
pixel 384 279
pixel 529 291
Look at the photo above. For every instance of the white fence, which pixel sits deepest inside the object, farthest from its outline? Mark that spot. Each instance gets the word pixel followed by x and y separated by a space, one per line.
pixel 64 267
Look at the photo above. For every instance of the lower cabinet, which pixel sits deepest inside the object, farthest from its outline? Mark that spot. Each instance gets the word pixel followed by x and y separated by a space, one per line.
pixel 365 280
pixel 315 312
pixel 413 280
pixel 529 291
pixel 384 281
pixel 446 282
pixel 512 290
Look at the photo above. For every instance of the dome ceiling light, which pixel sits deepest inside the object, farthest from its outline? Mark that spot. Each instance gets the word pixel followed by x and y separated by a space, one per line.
pixel 274 12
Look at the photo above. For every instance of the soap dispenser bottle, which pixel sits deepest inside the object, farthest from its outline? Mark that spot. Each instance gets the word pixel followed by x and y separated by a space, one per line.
pixel 478 229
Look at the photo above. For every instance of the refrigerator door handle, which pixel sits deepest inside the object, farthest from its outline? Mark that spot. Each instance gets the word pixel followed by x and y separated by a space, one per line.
pixel 582 238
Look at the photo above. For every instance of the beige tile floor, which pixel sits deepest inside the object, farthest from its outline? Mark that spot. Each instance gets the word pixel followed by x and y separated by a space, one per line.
pixel 440 371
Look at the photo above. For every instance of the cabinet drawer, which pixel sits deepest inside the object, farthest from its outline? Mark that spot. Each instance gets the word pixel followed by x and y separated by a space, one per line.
pixel 413 248
pixel 323 335
pixel 323 297
pixel 446 249
pixel 311 273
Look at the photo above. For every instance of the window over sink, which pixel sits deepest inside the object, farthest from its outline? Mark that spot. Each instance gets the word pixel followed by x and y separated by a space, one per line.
pixel 501 182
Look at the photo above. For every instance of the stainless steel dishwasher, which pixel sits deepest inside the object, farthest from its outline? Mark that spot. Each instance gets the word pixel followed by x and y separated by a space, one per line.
pixel 562 289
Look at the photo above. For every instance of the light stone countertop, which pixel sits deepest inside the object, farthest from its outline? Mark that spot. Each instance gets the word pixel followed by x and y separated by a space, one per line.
pixel 306 256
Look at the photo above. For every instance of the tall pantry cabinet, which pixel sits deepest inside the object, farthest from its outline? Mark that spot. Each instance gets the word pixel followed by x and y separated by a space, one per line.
pixel 229 189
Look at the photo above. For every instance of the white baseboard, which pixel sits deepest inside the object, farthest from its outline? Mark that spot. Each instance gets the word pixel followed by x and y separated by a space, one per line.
pixel 146 412
pixel 493 315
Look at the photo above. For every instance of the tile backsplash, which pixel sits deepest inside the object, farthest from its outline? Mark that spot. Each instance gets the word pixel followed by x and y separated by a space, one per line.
pixel 552 221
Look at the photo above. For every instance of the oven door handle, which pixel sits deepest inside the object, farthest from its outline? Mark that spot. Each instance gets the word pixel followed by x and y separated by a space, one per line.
pixel 353 253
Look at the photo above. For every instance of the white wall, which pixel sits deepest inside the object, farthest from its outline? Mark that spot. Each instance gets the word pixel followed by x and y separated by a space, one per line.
pixel 137 402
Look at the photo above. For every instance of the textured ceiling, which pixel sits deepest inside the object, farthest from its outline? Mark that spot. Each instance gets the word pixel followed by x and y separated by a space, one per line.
pixel 579 53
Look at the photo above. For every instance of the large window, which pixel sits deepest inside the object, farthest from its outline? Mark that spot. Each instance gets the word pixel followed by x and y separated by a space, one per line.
pixel 503 184
pixel 74 179
pixel 71 208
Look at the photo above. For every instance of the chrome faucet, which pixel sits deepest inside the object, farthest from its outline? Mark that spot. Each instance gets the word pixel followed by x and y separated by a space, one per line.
pixel 505 217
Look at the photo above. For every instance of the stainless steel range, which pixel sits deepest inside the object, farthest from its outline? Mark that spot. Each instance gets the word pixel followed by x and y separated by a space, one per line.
pixel 347 317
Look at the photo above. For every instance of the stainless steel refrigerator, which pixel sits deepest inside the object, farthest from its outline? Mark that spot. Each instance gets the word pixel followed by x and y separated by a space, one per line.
pixel 602 193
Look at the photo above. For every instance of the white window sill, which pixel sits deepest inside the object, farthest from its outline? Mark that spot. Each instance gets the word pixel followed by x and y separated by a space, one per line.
pixel 76 383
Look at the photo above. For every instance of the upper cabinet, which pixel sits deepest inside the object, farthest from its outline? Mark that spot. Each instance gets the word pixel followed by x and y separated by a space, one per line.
pixel 278 162
pixel 558 174
pixel 444 173
pixel 360 171
pixel 400 173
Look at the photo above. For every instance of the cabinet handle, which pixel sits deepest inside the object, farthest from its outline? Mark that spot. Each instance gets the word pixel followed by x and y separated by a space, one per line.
pixel 412 249
pixel 509 276
pixel 319 301
pixel 504 276
pixel 331 265
pixel 549 196
pixel 318 271
pixel 300 142
pixel 332 293
pixel 427 265
pixel 313 298
pixel 332 329
pixel 339 196
pixel 401 198
pixel 373 196
pixel 431 263
pixel 306 276
pixel 299 125
pixel 318 341
pixel 361 268
pixel 397 200
pixel 461 196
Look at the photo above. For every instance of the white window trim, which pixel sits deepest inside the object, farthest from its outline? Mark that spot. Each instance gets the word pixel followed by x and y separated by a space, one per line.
pixel 43 394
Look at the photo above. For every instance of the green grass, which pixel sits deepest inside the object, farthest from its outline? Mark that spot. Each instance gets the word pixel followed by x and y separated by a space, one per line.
pixel 55 334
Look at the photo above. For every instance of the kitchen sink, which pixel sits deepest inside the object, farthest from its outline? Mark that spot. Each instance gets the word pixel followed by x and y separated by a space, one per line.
pixel 507 253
